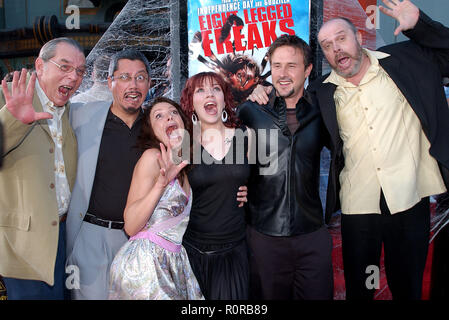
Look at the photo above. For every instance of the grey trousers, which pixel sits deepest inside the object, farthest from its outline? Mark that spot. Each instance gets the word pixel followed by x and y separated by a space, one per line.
pixel 93 252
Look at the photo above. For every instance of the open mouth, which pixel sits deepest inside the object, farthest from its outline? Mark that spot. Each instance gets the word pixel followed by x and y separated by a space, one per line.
pixel 65 90
pixel 284 82
pixel 174 134
pixel 171 131
pixel 343 62
pixel 133 96
pixel 211 108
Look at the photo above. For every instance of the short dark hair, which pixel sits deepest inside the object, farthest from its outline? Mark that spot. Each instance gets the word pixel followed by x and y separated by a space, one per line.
pixel 129 54
pixel 295 42
pixel 48 50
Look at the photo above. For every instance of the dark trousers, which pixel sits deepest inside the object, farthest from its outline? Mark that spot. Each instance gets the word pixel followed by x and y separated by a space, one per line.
pixel 405 237
pixel 19 289
pixel 298 267
pixel 439 285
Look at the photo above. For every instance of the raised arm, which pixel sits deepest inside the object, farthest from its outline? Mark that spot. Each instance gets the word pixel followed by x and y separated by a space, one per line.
pixel 16 110
pixel 431 35
pixel 405 12
pixel 260 94
pixel 19 100
pixel 152 173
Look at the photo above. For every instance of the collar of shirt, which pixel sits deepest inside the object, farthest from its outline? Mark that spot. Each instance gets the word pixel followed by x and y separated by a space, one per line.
pixel 112 117
pixel 374 57
pixel 279 102
pixel 47 105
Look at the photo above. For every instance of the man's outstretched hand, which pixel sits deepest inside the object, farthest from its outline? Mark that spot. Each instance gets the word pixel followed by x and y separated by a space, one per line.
pixel 19 100
pixel 405 12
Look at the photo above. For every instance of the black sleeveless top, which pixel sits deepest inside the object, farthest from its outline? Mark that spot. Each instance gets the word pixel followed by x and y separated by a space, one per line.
pixel 215 217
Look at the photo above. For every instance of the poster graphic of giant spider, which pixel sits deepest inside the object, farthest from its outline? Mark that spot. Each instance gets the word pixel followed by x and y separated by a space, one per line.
pixel 232 37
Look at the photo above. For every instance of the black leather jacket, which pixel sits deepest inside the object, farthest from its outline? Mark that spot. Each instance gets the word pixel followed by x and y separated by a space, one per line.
pixel 287 202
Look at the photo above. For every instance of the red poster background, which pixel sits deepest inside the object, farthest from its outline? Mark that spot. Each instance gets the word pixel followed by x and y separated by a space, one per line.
pixel 355 10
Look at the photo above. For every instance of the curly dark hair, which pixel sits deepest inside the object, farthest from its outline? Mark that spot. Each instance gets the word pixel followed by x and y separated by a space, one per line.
pixel 148 139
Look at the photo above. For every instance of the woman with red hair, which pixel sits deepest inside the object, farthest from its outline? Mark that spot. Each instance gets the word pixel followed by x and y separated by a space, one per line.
pixel 215 239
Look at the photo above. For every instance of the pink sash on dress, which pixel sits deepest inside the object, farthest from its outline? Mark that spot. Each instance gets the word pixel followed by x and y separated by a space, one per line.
pixel 151 233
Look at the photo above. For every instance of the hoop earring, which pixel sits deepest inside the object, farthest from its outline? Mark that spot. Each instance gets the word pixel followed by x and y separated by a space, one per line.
pixel 194 119
pixel 224 116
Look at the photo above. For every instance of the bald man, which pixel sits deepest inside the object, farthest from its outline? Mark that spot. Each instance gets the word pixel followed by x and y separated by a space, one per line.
pixel 388 119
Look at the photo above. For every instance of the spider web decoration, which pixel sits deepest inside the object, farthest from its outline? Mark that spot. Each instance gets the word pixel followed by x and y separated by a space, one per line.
pixel 153 28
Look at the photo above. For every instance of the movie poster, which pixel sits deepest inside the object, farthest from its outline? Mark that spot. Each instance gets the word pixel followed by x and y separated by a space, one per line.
pixel 232 37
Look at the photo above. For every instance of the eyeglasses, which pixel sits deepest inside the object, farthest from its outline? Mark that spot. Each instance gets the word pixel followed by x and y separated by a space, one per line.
pixel 127 78
pixel 66 68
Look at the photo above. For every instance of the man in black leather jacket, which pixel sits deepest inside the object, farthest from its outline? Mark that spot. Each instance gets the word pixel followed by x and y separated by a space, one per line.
pixel 290 246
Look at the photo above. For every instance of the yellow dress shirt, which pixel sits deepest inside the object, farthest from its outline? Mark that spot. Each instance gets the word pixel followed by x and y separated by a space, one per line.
pixel 383 144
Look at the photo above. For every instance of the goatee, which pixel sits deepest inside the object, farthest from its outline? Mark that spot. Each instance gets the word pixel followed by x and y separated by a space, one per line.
pixel 357 64
pixel 131 110
pixel 287 95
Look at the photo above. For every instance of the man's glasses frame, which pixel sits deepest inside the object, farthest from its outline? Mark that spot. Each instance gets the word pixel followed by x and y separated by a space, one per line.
pixel 67 68
pixel 124 77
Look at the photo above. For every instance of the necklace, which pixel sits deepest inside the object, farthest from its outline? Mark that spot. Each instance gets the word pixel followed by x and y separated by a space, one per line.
pixel 227 140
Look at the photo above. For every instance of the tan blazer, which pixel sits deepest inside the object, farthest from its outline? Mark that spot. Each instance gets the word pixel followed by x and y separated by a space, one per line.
pixel 29 223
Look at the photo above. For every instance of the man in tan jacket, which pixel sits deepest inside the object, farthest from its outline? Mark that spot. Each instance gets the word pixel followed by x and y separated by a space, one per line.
pixel 38 173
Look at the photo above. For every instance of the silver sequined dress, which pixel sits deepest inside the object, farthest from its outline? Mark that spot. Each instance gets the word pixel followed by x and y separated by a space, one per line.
pixel 153 265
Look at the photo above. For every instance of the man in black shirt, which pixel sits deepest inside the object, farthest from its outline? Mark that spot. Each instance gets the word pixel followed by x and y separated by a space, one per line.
pixel 107 137
pixel 290 246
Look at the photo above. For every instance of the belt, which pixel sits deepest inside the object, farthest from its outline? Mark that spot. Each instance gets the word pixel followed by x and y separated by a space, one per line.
pixel 103 223
pixel 63 218
pixel 223 249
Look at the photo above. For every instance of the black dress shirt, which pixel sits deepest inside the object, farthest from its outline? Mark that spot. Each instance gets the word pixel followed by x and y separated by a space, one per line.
pixel 117 157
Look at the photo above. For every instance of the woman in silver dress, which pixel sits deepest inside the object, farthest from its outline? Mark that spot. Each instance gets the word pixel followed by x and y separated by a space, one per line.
pixel 153 264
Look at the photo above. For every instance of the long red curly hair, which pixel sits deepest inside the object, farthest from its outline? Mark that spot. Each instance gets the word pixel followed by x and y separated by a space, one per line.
pixel 196 81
